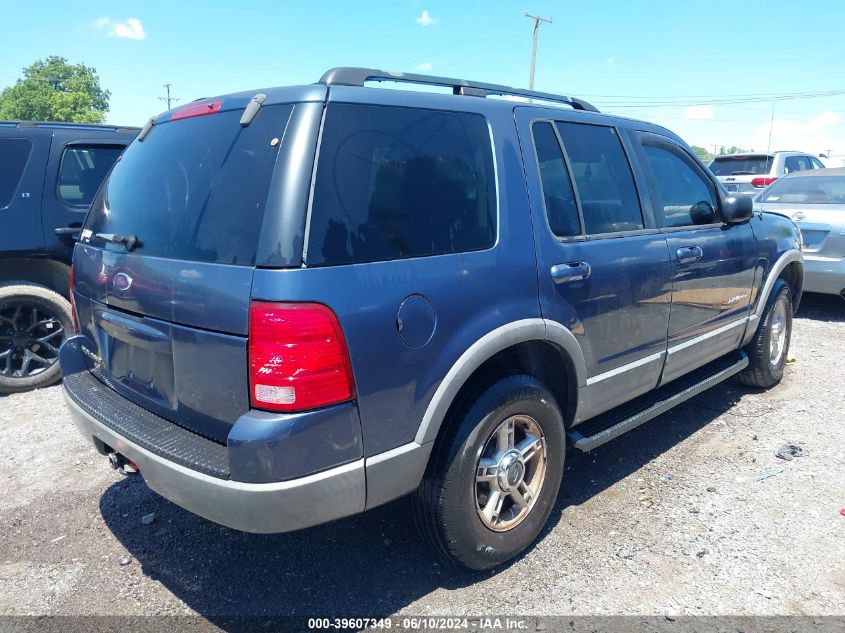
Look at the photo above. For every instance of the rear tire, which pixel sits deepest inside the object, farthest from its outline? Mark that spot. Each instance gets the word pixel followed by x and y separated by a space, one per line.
pixel 768 350
pixel 477 506
pixel 34 321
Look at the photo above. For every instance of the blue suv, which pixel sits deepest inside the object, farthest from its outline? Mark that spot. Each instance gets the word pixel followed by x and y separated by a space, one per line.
pixel 297 304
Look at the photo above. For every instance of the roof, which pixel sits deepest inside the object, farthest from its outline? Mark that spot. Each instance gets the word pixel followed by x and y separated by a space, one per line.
pixel 817 173
pixel 750 154
pixel 67 125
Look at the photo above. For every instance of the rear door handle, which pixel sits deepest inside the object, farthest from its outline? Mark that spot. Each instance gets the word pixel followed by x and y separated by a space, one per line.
pixel 570 272
pixel 690 254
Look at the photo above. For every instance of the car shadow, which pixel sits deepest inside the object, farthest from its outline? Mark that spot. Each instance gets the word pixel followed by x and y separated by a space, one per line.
pixel 369 565
pixel 818 307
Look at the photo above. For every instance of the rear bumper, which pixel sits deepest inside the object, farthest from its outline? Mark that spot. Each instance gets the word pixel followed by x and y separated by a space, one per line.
pixel 824 274
pixel 194 472
pixel 272 507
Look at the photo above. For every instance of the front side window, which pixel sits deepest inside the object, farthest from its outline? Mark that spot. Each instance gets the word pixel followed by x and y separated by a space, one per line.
pixel 682 195
pixel 83 170
pixel 14 152
pixel 394 183
pixel 609 200
pixel 817 164
pixel 558 195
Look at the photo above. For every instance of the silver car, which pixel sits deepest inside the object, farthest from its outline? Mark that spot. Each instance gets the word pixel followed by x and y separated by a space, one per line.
pixel 815 200
pixel 750 173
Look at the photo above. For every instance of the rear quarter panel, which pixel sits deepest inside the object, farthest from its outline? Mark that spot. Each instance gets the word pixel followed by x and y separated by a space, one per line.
pixel 471 293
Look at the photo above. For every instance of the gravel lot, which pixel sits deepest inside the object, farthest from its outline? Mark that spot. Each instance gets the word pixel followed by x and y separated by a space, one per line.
pixel 668 519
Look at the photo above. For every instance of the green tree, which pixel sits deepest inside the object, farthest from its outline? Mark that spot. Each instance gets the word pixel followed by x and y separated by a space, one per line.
pixel 702 153
pixel 733 149
pixel 54 90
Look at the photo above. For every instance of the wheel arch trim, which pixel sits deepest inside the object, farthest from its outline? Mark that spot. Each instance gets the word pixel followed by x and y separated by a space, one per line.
pixel 495 341
pixel 789 257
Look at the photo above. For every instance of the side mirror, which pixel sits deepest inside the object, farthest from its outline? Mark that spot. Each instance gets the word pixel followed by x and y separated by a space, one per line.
pixel 737 209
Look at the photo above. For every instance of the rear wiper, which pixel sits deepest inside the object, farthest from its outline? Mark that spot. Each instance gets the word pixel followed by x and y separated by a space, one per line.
pixel 742 173
pixel 129 241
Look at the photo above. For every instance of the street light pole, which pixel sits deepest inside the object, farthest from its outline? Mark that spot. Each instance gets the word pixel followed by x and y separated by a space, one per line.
pixel 537 22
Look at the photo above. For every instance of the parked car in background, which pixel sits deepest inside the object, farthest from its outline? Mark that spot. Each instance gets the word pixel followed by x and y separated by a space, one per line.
pixel 815 201
pixel 49 174
pixel 750 173
pixel 299 304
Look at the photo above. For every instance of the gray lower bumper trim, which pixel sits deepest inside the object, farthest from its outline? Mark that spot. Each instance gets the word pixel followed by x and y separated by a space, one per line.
pixel 266 508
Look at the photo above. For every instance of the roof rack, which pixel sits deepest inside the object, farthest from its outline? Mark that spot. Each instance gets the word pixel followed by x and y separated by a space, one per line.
pixel 351 76
pixel 69 125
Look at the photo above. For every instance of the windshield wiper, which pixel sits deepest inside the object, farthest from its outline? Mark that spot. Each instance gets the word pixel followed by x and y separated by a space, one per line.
pixel 129 241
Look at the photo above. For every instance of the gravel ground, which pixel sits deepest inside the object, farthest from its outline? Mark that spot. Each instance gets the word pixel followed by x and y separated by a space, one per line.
pixel 672 518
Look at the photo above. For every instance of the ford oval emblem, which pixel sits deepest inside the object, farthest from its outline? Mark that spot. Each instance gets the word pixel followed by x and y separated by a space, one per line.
pixel 121 282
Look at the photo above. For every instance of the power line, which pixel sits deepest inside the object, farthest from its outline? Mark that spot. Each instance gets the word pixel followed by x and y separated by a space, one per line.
pixel 537 22
pixel 168 98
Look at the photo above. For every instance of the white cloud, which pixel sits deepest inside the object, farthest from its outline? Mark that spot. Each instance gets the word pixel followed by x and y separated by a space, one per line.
pixel 425 19
pixel 698 112
pixel 821 132
pixel 424 66
pixel 129 29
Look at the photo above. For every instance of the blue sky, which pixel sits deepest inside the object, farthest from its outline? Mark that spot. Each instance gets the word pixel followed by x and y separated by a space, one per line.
pixel 660 60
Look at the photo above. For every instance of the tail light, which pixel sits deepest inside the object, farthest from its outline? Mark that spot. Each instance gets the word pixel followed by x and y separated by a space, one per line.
pixel 298 358
pixel 762 182
pixel 196 109
pixel 72 303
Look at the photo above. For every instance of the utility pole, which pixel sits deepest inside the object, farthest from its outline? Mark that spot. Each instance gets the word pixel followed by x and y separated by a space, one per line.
pixel 827 153
pixel 537 22
pixel 168 98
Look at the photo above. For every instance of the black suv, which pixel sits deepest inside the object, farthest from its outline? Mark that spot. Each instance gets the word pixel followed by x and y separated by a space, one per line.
pixel 49 174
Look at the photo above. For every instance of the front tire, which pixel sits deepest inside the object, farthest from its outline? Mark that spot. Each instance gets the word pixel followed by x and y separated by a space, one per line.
pixel 493 480
pixel 34 321
pixel 768 350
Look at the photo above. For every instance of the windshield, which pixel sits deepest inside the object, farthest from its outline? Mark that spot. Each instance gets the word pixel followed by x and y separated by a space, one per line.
pixel 193 189
pixel 741 165
pixel 806 190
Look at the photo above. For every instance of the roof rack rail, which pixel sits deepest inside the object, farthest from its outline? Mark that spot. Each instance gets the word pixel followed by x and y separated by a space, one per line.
pixel 351 76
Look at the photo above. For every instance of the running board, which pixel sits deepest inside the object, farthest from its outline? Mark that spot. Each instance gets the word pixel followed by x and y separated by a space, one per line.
pixel 607 426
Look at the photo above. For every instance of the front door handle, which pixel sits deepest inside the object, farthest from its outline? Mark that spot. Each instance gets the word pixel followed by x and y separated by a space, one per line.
pixel 571 272
pixel 68 231
pixel 690 254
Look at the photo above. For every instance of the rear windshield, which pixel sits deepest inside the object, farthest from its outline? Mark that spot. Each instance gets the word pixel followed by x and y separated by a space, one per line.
pixel 194 189
pixel 741 165
pixel 806 190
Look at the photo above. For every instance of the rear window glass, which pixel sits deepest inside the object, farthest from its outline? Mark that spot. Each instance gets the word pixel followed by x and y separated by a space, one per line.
pixel 83 171
pixel 394 183
pixel 741 165
pixel 194 189
pixel 609 200
pixel 14 152
pixel 806 190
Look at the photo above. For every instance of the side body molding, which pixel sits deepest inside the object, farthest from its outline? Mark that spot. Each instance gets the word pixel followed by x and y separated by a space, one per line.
pixel 491 343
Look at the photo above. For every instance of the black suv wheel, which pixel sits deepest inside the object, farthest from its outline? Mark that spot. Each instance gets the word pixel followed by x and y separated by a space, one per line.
pixel 34 322
pixel 490 489
pixel 768 349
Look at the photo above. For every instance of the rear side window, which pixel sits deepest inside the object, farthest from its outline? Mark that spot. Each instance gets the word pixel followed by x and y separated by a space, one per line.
pixel 609 200
pixel 194 189
pixel 796 163
pixel 83 170
pixel 14 152
pixel 393 183
pixel 741 165
pixel 558 195
pixel 682 195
